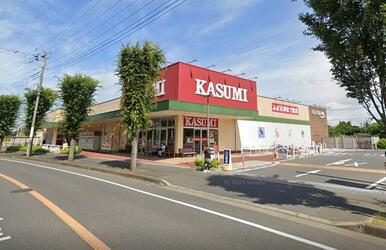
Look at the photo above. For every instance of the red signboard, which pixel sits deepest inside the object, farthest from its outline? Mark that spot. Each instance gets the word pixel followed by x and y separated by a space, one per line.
pixel 285 109
pixel 189 83
pixel 200 122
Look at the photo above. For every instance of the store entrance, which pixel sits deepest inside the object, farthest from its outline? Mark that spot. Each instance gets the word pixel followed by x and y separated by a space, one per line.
pixel 200 140
pixel 197 138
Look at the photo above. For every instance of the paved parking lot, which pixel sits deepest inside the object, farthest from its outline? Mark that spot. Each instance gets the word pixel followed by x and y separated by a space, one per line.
pixel 351 169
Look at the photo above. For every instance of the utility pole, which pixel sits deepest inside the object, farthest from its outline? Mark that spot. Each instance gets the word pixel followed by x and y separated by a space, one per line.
pixel 208 120
pixel 39 89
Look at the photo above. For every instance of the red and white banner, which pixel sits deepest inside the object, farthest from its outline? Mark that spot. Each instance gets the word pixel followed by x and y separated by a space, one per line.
pixel 285 109
pixel 200 122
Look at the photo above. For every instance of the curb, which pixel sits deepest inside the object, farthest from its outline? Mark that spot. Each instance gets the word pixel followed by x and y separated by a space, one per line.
pixel 366 228
pixel 130 175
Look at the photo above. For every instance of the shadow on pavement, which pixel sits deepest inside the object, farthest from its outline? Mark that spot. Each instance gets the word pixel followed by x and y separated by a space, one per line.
pixel 123 164
pixel 65 157
pixel 281 192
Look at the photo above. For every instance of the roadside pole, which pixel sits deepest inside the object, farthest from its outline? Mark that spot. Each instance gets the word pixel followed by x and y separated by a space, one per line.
pixel 39 88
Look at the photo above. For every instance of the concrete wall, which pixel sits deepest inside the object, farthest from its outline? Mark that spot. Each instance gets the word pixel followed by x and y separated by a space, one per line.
pixel 105 107
pixel 227 134
pixel 262 135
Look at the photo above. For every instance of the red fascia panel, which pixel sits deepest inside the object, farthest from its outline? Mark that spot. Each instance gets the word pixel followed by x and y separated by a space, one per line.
pixel 184 88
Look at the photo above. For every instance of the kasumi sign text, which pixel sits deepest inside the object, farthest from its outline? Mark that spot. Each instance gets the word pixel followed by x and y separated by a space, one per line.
pixel 200 122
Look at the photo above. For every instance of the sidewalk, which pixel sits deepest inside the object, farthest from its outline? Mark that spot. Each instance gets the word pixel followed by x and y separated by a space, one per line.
pixel 237 158
pixel 335 206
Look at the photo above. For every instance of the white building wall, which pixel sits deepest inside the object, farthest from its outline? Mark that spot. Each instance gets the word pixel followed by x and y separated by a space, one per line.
pixel 262 135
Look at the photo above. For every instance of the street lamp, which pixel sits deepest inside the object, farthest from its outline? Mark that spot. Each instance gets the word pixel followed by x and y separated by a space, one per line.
pixel 211 66
pixel 228 70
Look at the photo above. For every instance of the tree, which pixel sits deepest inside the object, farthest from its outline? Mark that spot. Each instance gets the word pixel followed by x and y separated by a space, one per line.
pixel 77 94
pixel 9 107
pixel 138 68
pixel 46 101
pixel 353 37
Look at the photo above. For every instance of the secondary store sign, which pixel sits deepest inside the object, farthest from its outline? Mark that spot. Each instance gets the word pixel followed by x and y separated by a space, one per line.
pixel 285 109
pixel 220 91
pixel 200 122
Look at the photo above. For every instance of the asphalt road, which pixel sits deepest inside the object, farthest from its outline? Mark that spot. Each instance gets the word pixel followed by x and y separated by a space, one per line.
pixel 356 169
pixel 127 214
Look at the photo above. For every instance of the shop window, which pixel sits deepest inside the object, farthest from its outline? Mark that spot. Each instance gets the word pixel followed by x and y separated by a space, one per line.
pixel 156 123
pixel 171 122
pixel 156 138
pixel 188 136
pixel 170 136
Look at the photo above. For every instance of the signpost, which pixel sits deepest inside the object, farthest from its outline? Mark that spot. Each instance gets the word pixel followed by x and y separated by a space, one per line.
pixel 227 160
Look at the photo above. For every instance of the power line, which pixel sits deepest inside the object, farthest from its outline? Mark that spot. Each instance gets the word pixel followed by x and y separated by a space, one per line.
pixel 108 42
pixel 72 23
pixel 109 29
pixel 92 21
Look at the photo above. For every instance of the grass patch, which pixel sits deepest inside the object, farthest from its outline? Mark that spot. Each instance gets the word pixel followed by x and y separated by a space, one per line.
pixel 380 219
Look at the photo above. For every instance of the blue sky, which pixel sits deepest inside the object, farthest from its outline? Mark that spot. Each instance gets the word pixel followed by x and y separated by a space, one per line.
pixel 257 37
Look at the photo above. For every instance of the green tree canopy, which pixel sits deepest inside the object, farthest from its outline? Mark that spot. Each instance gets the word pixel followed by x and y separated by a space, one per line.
pixel 138 68
pixel 46 101
pixel 9 107
pixel 352 35
pixel 344 128
pixel 77 93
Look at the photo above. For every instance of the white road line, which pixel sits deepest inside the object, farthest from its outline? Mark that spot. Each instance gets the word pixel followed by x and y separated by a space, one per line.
pixel 340 162
pixel 309 172
pixel 366 154
pixel 209 211
pixel 375 154
pixel 356 164
pixel 375 184
pixel 382 155
pixel 257 168
pixel 5 238
pixel 1 218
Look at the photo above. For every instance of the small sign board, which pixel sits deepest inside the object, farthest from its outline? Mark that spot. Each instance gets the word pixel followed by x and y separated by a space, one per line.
pixel 212 154
pixel 227 160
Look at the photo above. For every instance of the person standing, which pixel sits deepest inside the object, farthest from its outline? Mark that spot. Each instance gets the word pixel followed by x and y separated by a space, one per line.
pixel 207 159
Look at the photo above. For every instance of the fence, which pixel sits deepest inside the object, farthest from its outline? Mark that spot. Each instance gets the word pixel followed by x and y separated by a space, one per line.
pixel 351 142
pixel 19 141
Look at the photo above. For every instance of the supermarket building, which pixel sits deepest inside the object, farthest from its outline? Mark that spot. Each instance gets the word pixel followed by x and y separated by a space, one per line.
pixel 239 117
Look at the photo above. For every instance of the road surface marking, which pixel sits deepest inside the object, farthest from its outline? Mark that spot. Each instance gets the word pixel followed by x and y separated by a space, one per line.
pixel 5 238
pixel 78 228
pixel 1 234
pixel 309 172
pixel 340 162
pixel 381 155
pixel 257 168
pixel 1 218
pixel 339 168
pixel 366 154
pixel 375 184
pixel 209 211
pixel 356 164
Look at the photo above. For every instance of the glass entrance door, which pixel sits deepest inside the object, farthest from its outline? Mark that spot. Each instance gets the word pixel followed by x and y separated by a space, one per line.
pixel 200 140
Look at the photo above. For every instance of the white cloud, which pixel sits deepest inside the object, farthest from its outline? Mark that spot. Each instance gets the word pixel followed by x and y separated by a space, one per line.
pixel 304 77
